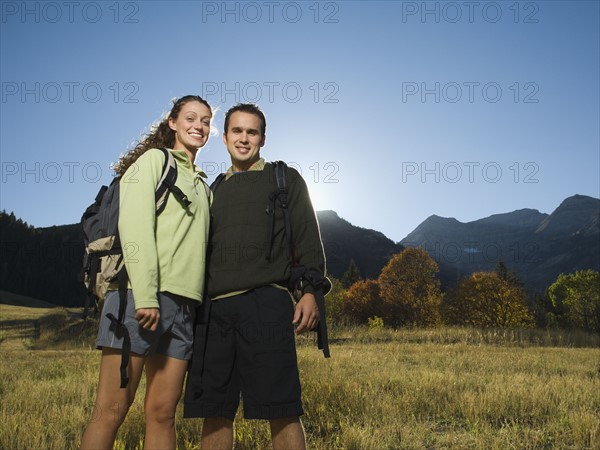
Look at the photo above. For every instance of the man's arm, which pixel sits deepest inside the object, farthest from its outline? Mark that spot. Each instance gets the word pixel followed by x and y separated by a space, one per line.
pixel 305 228
pixel 308 249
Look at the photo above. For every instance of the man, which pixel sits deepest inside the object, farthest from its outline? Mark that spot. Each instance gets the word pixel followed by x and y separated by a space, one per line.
pixel 245 341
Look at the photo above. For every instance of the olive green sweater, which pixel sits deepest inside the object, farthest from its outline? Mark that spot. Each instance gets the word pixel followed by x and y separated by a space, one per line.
pixel 164 253
pixel 239 233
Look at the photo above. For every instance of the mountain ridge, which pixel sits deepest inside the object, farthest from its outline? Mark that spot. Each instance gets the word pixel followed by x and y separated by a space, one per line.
pixel 538 246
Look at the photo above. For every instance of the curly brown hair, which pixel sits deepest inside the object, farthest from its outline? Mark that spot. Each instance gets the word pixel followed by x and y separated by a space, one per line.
pixel 160 135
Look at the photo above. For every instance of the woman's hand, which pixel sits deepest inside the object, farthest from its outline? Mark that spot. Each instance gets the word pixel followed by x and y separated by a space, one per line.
pixel 148 318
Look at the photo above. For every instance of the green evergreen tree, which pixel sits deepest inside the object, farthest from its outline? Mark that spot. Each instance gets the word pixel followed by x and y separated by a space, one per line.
pixel 351 276
pixel 508 275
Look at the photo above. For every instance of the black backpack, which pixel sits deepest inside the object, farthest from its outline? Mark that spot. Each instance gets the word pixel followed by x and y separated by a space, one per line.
pixel 103 262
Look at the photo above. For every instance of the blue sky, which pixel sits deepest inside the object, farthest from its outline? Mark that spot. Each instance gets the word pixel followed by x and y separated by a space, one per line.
pixel 392 111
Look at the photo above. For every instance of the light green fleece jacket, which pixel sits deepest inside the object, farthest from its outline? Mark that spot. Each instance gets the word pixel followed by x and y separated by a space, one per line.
pixel 164 253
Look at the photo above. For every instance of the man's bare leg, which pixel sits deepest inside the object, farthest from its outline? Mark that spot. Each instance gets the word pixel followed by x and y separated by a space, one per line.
pixel 287 434
pixel 217 434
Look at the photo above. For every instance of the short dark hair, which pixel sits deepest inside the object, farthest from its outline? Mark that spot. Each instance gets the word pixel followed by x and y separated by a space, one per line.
pixel 249 108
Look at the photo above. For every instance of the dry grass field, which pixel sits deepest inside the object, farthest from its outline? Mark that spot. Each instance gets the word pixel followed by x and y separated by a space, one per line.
pixel 443 388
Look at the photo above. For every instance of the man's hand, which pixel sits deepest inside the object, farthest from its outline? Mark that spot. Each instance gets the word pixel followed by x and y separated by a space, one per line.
pixel 148 318
pixel 307 310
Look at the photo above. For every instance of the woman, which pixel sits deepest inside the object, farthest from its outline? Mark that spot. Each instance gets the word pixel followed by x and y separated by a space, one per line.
pixel 165 259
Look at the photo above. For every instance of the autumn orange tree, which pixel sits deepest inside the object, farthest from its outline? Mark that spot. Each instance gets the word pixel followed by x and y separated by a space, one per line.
pixel 486 299
pixel 362 300
pixel 409 289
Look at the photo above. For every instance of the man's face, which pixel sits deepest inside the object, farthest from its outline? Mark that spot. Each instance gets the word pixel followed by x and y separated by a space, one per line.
pixel 243 140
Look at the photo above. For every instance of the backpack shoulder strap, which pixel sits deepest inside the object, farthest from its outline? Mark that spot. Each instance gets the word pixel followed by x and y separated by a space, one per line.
pixel 280 169
pixel 167 184
pixel 280 194
pixel 281 178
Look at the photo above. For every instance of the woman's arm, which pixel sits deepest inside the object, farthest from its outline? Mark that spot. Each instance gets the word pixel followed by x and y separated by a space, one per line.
pixel 137 227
